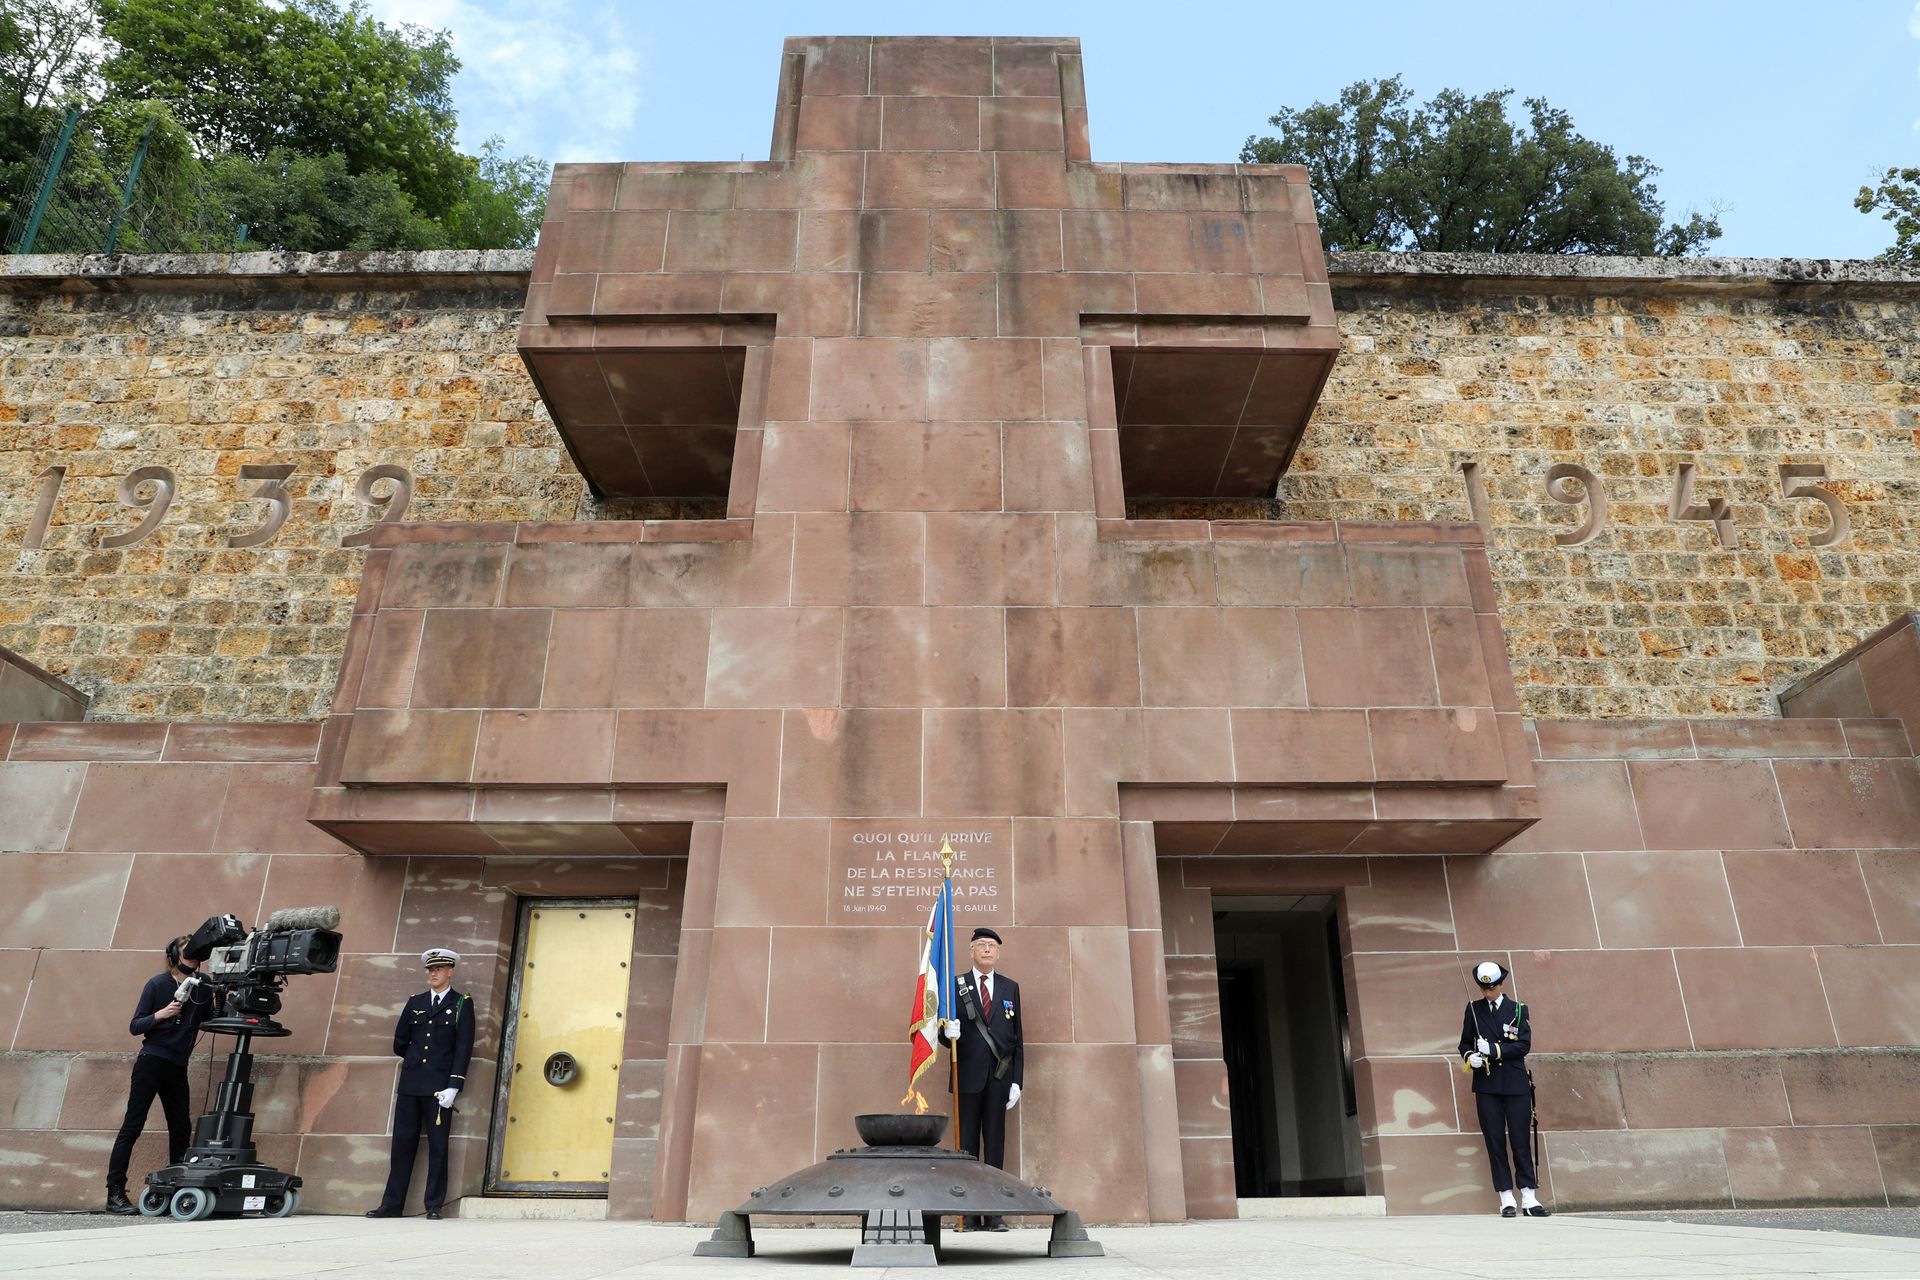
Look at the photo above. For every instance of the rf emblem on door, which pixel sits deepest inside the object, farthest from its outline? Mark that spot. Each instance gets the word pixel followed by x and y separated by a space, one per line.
pixel 565 1037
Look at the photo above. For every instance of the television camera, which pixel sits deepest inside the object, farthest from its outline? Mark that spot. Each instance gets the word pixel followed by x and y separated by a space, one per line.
pixel 244 974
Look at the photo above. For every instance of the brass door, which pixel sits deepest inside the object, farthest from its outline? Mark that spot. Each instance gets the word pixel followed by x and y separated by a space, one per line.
pixel 564 1039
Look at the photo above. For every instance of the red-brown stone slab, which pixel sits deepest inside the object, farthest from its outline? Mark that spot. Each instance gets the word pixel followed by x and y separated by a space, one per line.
pixel 1850 804
pixel 1755 998
pixel 1893 883
pixel 1853 1087
pixel 1664 899
pixel 1668 1168
pixel 1804 1166
pixel 75 741
pixel 1800 897
pixel 774 872
pixel 1709 804
pixel 1584 804
pixel 1539 900
pixel 1406 1095
pixel 69 900
pixel 1673 1091
pixel 1404 906
pixel 1615 740
pixel 1602 1001
pixel 164 808
pixel 37 802
pixel 1871 990
pixel 1430 1172
pixel 1069 1144
pixel 1571 1092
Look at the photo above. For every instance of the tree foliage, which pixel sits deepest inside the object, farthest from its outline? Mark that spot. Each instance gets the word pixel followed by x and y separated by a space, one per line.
pixel 307 123
pixel 1456 175
pixel 1897 200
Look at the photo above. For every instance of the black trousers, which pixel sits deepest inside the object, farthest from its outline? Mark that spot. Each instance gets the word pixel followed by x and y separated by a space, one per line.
pixel 1505 1119
pixel 983 1118
pixel 153 1076
pixel 413 1116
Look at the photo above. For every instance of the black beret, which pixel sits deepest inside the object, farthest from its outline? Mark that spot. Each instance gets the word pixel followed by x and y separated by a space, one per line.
pixel 984 932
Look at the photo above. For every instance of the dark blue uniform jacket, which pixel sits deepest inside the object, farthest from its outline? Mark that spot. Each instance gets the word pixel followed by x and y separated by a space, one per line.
pixel 1509 1033
pixel 976 1059
pixel 434 1044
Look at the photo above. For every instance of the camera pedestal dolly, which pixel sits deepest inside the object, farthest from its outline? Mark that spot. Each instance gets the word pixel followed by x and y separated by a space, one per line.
pixel 221 1172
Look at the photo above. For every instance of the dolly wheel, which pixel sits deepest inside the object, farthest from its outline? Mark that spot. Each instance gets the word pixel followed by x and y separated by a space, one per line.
pixel 153 1202
pixel 191 1204
pixel 282 1206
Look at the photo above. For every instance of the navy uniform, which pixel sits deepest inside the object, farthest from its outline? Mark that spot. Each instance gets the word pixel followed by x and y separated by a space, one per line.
pixel 991 1059
pixel 434 1042
pixel 1496 1034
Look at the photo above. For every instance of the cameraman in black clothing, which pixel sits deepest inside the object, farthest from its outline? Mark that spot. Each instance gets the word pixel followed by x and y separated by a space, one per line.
pixel 169 1027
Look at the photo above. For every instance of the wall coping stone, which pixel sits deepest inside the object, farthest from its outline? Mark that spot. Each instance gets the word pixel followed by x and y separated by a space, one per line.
pixel 509 268
pixel 397 269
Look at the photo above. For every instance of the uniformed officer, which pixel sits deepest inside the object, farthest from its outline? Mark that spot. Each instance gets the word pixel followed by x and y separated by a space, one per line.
pixel 1495 1036
pixel 990 1056
pixel 434 1042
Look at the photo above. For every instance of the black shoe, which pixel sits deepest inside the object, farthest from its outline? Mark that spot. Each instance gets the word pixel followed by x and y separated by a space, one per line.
pixel 996 1224
pixel 381 1211
pixel 1538 1211
pixel 117 1202
pixel 433 1215
pixel 1508 1211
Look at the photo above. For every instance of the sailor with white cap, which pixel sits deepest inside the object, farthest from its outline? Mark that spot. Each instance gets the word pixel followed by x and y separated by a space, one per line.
pixel 1495 1036
pixel 434 1042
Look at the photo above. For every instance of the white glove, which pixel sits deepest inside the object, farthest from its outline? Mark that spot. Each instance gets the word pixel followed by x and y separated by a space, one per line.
pixel 446 1096
pixel 1013 1096
pixel 1476 1060
pixel 1481 1044
pixel 953 1028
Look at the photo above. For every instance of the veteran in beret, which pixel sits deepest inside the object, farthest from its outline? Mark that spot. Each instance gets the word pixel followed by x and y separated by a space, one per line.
pixel 434 1043
pixel 989 1053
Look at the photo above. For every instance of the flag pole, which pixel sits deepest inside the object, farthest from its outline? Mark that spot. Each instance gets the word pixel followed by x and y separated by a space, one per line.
pixel 953 983
pixel 953 980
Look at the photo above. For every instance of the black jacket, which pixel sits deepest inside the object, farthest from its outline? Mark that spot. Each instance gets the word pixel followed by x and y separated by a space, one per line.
pixel 976 1058
pixel 1508 1031
pixel 172 1039
pixel 434 1044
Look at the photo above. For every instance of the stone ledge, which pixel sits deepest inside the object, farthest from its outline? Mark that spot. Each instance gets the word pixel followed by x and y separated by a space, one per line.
pixel 397 269
pixel 509 268
pixel 1597 271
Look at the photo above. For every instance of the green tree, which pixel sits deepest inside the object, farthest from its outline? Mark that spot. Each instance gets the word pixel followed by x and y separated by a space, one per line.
pixel 1897 200
pixel 46 58
pixel 254 79
pixel 1456 175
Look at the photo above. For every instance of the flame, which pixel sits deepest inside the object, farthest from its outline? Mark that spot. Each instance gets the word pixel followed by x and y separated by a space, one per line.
pixel 918 1100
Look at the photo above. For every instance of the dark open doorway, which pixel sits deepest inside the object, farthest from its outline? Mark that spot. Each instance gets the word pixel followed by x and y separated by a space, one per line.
pixel 1283 1014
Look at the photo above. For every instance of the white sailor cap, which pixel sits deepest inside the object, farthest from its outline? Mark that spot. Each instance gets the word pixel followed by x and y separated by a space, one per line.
pixel 1488 973
pixel 435 956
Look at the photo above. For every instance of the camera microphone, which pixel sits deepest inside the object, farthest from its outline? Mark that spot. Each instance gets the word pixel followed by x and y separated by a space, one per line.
pixel 185 989
pixel 303 918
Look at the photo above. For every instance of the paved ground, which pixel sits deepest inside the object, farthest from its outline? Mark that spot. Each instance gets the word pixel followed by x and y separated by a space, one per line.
pixel 1872 1222
pixel 1562 1248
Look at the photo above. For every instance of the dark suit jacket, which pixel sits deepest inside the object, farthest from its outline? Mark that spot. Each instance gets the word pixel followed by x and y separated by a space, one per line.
pixel 1509 1032
pixel 434 1045
pixel 976 1059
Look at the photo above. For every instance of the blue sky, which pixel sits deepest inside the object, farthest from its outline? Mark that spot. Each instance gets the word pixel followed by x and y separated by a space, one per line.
pixel 1777 111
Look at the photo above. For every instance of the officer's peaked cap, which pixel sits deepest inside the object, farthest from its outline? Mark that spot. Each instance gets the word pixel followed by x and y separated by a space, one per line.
pixel 434 957
pixel 988 934
pixel 1488 973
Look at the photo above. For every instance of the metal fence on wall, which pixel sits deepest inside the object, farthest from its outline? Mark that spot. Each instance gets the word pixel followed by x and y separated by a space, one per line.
pixel 84 195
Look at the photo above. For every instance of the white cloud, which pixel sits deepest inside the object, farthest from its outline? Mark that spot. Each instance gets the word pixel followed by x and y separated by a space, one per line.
pixel 560 78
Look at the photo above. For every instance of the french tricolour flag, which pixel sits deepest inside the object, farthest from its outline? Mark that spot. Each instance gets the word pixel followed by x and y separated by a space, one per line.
pixel 933 998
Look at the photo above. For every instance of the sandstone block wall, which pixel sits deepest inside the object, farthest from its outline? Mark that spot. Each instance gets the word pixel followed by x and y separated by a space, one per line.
pixel 1616 365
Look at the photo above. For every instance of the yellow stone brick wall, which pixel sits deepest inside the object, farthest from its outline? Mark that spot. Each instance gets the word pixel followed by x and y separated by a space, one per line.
pixel 180 626
pixel 1631 379
pixel 1628 378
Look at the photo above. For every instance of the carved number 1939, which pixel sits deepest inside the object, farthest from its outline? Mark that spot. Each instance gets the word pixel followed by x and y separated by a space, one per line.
pixel 153 489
